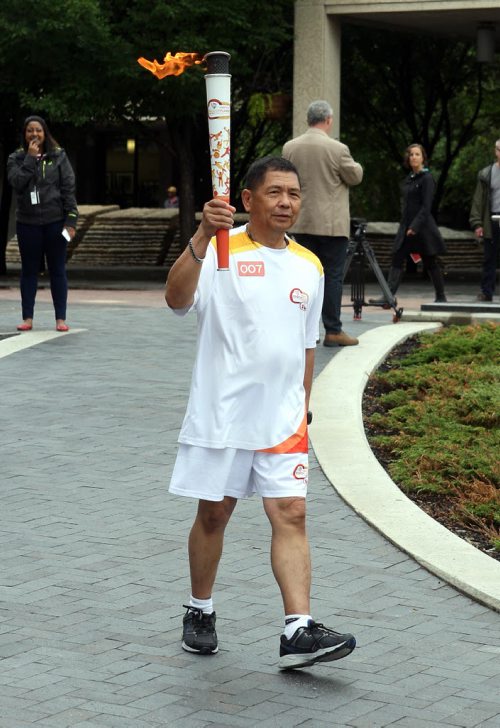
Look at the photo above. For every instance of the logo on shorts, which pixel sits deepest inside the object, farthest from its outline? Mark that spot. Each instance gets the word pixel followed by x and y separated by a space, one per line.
pixel 299 297
pixel 251 268
pixel 300 472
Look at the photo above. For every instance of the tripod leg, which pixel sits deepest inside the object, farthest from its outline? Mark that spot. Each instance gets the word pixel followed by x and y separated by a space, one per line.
pixel 354 254
pixel 389 296
pixel 357 286
pixel 393 281
pixel 351 249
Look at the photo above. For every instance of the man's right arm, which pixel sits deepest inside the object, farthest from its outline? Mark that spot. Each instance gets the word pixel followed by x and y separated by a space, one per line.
pixel 475 218
pixel 183 276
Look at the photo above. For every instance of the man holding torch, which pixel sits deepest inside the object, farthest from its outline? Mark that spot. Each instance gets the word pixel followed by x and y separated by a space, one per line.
pixel 245 428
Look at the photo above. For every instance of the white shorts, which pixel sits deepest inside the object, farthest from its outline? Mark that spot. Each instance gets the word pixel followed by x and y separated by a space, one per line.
pixel 210 474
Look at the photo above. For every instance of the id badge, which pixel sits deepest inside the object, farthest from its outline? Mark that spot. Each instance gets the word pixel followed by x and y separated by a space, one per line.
pixel 35 198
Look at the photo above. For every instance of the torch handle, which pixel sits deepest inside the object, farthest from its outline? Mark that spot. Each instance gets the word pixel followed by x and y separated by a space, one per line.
pixel 222 237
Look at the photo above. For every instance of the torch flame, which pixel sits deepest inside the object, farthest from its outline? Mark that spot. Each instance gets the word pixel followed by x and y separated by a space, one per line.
pixel 173 65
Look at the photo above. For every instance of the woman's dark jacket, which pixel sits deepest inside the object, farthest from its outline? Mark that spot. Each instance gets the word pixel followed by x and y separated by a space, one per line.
pixel 53 177
pixel 416 204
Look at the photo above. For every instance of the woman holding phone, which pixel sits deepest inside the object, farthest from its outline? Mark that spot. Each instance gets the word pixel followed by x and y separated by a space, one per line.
pixel 46 215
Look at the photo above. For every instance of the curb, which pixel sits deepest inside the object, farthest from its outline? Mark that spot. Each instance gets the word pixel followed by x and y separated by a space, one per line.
pixel 449 318
pixel 343 452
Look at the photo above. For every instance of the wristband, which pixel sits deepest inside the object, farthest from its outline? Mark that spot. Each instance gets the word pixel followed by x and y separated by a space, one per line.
pixel 191 249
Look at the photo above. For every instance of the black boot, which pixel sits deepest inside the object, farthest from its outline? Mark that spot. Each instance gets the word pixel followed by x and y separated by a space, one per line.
pixel 437 279
pixel 393 280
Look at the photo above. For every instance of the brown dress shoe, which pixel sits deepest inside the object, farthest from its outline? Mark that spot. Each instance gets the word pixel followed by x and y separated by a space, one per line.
pixel 340 339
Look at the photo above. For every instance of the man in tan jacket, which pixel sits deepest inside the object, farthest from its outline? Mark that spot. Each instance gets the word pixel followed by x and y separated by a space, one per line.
pixel 326 171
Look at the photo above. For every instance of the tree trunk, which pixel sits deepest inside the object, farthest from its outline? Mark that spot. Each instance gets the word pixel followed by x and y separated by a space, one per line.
pixel 182 138
pixel 5 202
pixel 8 144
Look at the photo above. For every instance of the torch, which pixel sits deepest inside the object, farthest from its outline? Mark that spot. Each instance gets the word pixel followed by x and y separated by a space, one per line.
pixel 218 87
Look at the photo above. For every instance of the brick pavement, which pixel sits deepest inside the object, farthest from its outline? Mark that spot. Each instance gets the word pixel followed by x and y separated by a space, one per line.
pixel 94 569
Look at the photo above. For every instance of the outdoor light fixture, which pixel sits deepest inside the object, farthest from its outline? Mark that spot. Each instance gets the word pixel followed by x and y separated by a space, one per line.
pixel 485 50
pixel 130 146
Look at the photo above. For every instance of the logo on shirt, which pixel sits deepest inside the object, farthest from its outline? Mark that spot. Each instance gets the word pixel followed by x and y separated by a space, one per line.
pixel 300 298
pixel 300 472
pixel 251 268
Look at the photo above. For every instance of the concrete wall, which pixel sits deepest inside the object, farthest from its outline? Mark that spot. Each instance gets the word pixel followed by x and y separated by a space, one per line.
pixel 316 72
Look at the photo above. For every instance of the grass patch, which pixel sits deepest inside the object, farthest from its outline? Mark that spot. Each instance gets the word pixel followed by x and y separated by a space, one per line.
pixel 434 423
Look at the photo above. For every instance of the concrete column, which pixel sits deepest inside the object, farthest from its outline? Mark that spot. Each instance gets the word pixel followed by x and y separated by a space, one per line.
pixel 316 72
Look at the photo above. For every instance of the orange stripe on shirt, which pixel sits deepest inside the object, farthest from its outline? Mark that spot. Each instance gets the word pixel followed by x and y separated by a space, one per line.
pixel 298 442
pixel 239 242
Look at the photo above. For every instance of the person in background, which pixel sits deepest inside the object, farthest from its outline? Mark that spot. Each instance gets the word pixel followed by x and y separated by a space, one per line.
pixel 46 215
pixel 418 235
pixel 485 203
pixel 327 172
pixel 172 199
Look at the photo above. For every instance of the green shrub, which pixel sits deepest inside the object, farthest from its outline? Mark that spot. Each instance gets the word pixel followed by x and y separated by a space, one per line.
pixel 438 417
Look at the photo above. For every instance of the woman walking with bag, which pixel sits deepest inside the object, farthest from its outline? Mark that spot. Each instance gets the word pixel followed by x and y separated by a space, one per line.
pixel 418 235
pixel 46 215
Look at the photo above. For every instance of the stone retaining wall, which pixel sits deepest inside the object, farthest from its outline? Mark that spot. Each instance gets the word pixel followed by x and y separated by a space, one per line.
pixel 108 236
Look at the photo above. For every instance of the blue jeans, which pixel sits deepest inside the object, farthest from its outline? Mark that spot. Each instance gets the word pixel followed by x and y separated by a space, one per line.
pixel 332 252
pixel 490 258
pixel 34 242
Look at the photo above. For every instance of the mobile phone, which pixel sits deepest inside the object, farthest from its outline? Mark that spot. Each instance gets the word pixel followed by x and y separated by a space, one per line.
pixel 66 234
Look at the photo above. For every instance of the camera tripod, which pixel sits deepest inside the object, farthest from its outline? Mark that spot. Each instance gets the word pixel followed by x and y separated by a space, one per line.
pixel 359 252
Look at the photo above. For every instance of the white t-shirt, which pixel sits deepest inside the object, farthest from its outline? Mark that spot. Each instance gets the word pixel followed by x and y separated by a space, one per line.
pixel 255 322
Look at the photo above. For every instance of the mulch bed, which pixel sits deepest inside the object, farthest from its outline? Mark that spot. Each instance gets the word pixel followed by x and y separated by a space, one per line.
pixel 437 506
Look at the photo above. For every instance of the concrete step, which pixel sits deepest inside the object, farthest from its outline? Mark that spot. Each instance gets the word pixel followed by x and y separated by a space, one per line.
pixel 461 307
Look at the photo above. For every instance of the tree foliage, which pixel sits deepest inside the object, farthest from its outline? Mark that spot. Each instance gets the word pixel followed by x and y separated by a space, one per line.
pixel 75 62
pixel 400 88
pixel 57 58
pixel 261 61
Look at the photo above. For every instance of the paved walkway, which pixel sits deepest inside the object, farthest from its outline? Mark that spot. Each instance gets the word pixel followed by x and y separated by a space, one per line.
pixel 94 566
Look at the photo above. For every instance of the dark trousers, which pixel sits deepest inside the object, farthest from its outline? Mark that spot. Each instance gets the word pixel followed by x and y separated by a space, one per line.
pixel 490 258
pixel 332 252
pixel 401 254
pixel 34 242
